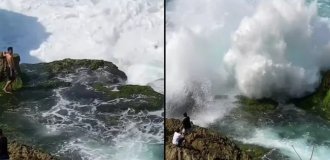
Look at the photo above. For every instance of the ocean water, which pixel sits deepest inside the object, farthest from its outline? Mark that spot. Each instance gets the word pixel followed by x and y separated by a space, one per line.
pixel 257 48
pixel 64 121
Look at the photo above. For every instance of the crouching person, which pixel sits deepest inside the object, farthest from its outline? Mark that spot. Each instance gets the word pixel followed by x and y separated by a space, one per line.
pixel 178 138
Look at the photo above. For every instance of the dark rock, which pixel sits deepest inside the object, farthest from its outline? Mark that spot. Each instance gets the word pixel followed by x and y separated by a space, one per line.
pixel 46 75
pixel 317 102
pixel 131 96
pixel 255 109
pixel 201 144
pixel 70 65
pixel 221 97
pixel 81 85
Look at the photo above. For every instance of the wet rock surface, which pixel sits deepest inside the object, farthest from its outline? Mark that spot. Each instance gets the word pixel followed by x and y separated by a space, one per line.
pixel 68 107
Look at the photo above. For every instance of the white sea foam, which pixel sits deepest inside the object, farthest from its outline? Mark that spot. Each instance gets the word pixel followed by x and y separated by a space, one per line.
pixel 279 50
pixel 258 48
pixel 130 33
pixel 86 133
pixel 132 136
pixel 264 49
pixel 269 138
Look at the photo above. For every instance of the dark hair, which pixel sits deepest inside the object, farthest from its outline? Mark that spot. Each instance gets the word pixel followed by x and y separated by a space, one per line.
pixel 185 114
pixel 1 132
pixel 177 130
pixel 10 49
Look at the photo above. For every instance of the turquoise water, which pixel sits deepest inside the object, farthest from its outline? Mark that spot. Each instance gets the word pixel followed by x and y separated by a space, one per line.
pixel 323 7
pixel 279 130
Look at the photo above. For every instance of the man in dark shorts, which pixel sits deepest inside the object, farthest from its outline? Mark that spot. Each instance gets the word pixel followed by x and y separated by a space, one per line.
pixel 3 147
pixel 186 124
pixel 10 70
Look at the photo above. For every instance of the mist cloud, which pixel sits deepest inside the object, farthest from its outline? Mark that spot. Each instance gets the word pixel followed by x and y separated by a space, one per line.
pixel 278 52
pixel 129 33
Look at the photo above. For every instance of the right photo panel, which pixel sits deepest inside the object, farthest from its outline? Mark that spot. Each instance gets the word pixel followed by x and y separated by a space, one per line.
pixel 247 80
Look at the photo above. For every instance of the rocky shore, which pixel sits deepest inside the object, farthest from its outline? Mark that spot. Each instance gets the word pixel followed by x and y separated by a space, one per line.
pixel 83 81
pixel 202 144
pixel 23 152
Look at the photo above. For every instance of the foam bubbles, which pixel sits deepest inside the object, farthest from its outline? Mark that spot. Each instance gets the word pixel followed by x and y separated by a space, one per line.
pixel 259 48
pixel 278 51
pixel 128 33
pixel 264 49
pixel 269 138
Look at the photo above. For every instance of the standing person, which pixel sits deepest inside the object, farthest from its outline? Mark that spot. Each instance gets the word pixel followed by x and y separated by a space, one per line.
pixel 177 138
pixel 10 70
pixel 3 147
pixel 186 124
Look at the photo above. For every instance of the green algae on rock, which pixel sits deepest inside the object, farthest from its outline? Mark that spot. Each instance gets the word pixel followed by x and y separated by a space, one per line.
pixel 317 102
pixel 257 106
pixel 254 109
pixel 133 96
pixel 70 65
pixel 256 152
pixel 98 85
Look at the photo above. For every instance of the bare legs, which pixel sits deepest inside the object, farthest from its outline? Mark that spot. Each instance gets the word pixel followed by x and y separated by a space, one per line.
pixel 8 84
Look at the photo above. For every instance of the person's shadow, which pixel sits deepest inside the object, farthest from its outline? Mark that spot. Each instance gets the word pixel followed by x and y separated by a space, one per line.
pixel 24 33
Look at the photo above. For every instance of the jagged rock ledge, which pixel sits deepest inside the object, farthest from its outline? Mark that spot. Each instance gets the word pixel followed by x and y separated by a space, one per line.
pixel 202 144
pixel 45 77
pixel 23 152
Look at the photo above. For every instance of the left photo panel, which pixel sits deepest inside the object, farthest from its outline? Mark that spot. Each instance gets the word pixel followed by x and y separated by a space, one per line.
pixel 82 79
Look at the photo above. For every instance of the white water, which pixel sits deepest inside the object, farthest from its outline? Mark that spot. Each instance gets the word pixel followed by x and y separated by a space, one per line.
pixel 269 138
pixel 263 49
pixel 88 134
pixel 129 33
pixel 258 48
